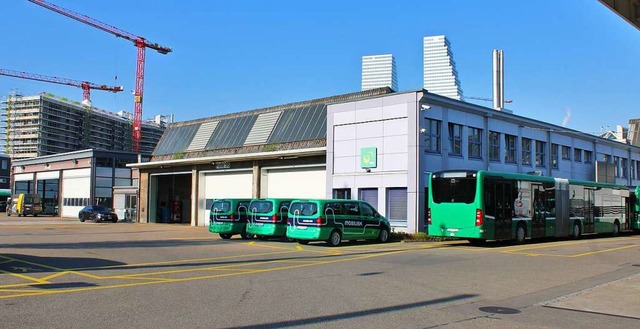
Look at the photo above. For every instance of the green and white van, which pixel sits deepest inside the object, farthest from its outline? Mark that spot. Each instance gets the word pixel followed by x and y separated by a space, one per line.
pixel 229 217
pixel 267 218
pixel 335 220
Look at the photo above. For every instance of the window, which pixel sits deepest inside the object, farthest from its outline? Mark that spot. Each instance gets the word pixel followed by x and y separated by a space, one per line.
pixel 494 146
pixel 587 156
pixel 577 155
pixel 4 164
pixel 475 143
pixel 540 146
pixel 526 151
pixel 455 139
pixel 616 165
pixel 397 206
pixel 633 169
pixel 623 169
pixel 554 156
pixel 351 208
pixel 606 158
pixel 637 169
pixel 342 193
pixel 432 136
pixel 510 144
pixel 566 153
pixel 367 210
pixel 369 195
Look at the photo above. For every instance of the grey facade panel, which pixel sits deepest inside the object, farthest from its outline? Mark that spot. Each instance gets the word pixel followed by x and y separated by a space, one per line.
pixel 176 139
pixel 231 132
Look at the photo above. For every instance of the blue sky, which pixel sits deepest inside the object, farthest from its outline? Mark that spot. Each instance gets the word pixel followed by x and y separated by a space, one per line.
pixel 570 56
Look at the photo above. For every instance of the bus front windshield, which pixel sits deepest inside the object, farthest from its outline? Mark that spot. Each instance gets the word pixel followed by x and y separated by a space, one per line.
pixel 453 189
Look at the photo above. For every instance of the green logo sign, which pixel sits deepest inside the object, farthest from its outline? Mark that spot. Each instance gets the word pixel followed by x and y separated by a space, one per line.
pixel 369 157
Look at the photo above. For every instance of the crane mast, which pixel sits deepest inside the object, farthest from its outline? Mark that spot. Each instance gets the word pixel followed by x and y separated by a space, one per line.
pixel 138 41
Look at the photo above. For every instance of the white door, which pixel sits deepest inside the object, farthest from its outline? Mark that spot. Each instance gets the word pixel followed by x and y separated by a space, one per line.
pixel 225 185
pixel 297 183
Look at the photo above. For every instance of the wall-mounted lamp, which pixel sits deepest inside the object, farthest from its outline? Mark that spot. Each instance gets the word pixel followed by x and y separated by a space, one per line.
pixel 367 169
pixel 424 107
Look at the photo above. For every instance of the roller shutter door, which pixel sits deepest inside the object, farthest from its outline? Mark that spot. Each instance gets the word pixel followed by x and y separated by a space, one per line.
pixel 303 183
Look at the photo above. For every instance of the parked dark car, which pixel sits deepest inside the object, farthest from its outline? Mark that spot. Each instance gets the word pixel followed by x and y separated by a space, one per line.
pixel 97 214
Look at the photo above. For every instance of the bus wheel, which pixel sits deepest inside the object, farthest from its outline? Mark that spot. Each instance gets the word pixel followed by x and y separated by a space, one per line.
pixel 334 238
pixel 616 228
pixel 383 236
pixel 225 236
pixel 303 242
pixel 521 234
pixel 576 230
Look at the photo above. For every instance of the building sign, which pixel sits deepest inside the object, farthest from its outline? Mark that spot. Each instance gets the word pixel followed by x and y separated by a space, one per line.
pixel 369 157
pixel 223 165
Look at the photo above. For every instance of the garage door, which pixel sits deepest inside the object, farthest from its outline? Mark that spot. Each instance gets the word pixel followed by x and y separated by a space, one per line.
pixel 76 186
pixel 303 183
pixel 225 185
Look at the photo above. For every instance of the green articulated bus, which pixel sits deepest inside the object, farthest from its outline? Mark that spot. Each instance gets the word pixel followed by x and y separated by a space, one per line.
pixel 486 205
pixel 229 217
pixel 335 220
pixel 267 218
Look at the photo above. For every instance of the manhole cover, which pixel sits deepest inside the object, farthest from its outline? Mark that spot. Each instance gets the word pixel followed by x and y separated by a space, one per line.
pixel 499 310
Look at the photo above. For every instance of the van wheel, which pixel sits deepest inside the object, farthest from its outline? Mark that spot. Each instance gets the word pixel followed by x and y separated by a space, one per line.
pixel 616 228
pixel 383 236
pixel 334 238
pixel 303 242
pixel 246 236
pixel 225 236
pixel 521 234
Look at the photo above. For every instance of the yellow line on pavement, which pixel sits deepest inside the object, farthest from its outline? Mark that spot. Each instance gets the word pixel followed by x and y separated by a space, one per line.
pixel 202 277
pixel 124 266
pixel 24 277
pixel 602 251
pixel 55 275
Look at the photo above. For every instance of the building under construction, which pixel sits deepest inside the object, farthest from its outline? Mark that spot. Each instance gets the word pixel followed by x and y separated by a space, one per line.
pixel 44 124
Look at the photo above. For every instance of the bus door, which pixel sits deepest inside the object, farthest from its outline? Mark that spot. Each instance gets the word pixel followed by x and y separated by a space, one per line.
pixel 497 205
pixel 538 218
pixel 504 210
pixel 589 211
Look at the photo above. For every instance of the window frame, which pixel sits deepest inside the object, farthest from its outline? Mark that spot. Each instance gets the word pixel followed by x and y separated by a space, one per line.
pixel 540 153
pixel 494 146
pixel 526 151
pixel 511 147
pixel 455 140
pixel 430 135
pixel 474 143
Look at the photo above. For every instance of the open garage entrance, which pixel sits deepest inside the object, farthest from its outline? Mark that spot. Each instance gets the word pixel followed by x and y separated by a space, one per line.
pixel 170 198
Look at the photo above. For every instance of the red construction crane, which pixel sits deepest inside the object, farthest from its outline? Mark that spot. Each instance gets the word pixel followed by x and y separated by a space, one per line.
pixel 140 42
pixel 86 86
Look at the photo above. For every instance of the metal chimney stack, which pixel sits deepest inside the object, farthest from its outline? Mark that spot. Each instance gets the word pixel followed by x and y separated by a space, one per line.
pixel 498 80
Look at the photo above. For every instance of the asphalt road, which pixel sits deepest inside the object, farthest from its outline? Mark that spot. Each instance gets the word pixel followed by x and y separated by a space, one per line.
pixel 60 273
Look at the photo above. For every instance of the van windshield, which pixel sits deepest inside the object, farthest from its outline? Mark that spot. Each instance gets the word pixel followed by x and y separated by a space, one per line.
pixel 303 209
pixel 221 206
pixel 261 207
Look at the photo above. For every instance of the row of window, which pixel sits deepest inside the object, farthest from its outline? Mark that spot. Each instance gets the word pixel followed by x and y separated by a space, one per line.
pixel 396 201
pixel 433 144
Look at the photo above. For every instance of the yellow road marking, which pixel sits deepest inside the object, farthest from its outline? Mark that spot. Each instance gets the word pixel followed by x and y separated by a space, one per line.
pixel 602 251
pixel 55 275
pixel 22 276
pixel 220 275
pixel 567 243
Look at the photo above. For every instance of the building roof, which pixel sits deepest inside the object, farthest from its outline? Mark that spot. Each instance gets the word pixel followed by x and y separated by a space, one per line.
pixel 291 126
pixel 88 153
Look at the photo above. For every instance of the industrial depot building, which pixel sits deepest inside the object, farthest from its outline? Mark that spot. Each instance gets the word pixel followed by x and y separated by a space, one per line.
pixel 375 145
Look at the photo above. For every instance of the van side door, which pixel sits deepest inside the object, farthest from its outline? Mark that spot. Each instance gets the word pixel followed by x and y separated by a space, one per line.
pixel 372 223
pixel 354 224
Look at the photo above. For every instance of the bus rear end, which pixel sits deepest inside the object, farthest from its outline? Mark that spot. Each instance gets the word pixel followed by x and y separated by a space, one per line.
pixel 454 205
